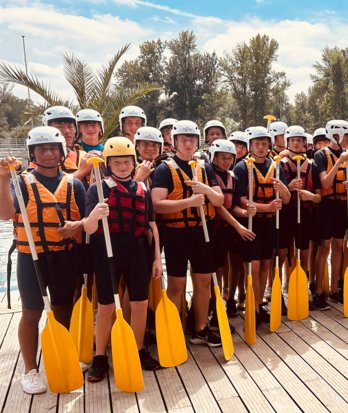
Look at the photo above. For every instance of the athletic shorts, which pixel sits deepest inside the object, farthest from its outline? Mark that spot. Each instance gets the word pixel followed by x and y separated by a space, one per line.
pixel 183 245
pixel 59 270
pixel 315 236
pixel 289 230
pixel 262 247
pixel 332 219
pixel 129 260
pixel 224 240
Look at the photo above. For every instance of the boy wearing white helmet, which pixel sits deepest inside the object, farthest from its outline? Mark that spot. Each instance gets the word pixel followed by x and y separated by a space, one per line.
pixel 277 131
pixel 331 161
pixel 214 129
pixel 240 141
pixel 165 128
pixel 226 231
pixel 55 204
pixel 177 198
pixel 91 129
pixel 131 118
pixel 260 251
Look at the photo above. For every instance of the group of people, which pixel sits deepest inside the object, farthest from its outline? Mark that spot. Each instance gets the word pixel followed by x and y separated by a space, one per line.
pixel 153 199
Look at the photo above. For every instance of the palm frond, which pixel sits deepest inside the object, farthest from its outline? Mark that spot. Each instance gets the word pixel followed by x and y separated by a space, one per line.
pixel 15 74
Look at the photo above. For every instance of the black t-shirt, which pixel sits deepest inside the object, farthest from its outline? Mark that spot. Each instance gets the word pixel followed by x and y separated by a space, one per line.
pixel 241 171
pixel 236 184
pixel 162 177
pixel 131 186
pixel 51 183
pixel 321 159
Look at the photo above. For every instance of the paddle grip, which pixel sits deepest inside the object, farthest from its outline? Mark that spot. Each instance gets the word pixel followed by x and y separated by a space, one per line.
pixel 250 184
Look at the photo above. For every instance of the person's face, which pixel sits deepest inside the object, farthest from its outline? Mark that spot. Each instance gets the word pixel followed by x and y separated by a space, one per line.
pixel 241 150
pixel 166 133
pixel 130 125
pixel 47 154
pixel 280 141
pixel 121 166
pixel 148 150
pixel 67 129
pixel 259 147
pixel 296 144
pixel 186 145
pixel 90 131
pixel 322 144
pixel 214 133
pixel 224 160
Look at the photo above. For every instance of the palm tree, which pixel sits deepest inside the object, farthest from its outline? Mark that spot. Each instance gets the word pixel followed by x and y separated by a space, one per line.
pixel 92 90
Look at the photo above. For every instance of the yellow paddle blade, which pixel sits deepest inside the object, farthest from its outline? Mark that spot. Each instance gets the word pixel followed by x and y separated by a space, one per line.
pixel 345 293
pixel 298 308
pixel 171 343
pixel 82 327
pixel 125 356
pixel 325 283
pixel 276 302
pixel 249 317
pixel 154 293
pixel 224 327
pixel 60 358
pixel 345 258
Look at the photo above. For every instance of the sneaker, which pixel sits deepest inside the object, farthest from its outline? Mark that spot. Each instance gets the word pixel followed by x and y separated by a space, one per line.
pixel 231 308
pixel 320 302
pixel 214 325
pixel 312 287
pixel 207 337
pixel 268 293
pixel 98 369
pixel 241 301
pixel 84 366
pixel 147 361
pixel 336 297
pixel 32 383
pixel 264 315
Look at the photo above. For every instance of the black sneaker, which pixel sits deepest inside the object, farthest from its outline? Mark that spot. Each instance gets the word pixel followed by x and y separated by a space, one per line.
pixel 264 315
pixel 214 325
pixel 231 308
pixel 336 297
pixel 190 321
pixel 206 336
pixel 147 361
pixel 98 369
pixel 313 287
pixel 321 303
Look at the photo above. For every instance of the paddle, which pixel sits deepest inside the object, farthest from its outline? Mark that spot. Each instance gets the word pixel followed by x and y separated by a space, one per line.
pixel 298 307
pixel 276 297
pixel 249 315
pixel 224 327
pixel 125 356
pixel 82 323
pixel 270 119
pixel 171 343
pixel 60 358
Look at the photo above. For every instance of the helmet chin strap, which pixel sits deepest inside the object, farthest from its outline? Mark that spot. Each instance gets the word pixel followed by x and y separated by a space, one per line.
pixel 47 167
pixel 121 177
pixel 296 153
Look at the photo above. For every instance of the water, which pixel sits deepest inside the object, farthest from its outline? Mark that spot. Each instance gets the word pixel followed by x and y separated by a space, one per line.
pixel 6 238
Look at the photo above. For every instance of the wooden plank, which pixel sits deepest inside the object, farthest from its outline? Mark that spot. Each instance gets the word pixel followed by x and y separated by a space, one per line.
pixel 97 396
pixel 5 320
pixel 331 324
pixel 150 399
pixel 121 401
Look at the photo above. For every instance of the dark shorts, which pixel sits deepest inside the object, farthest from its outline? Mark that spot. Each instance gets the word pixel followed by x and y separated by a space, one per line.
pixel 129 259
pixel 59 270
pixel 224 240
pixel 187 245
pixel 262 247
pixel 332 219
pixel 289 230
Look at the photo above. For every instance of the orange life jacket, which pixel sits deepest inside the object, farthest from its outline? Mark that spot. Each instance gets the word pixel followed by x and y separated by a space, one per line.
pixel 188 217
pixel 46 213
pixel 128 211
pixel 336 190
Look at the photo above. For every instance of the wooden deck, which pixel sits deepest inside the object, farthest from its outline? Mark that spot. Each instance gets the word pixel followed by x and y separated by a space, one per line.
pixel 302 367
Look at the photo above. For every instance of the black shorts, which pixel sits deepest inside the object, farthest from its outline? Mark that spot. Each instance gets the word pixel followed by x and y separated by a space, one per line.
pixel 183 245
pixel 332 219
pixel 315 235
pixel 59 270
pixel 262 247
pixel 224 240
pixel 289 230
pixel 129 260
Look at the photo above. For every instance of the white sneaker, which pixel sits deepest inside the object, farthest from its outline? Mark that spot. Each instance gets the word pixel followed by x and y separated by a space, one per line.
pixel 84 367
pixel 32 383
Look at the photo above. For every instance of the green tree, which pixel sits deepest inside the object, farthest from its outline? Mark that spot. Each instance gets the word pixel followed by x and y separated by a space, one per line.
pixel 92 90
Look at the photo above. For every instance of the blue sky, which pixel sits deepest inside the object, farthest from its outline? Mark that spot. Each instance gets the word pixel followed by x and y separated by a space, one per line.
pixel 96 29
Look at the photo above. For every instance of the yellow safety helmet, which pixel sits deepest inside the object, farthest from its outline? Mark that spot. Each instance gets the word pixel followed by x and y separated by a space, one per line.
pixel 118 146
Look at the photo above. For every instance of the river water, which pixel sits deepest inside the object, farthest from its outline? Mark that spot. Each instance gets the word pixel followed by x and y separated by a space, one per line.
pixel 5 243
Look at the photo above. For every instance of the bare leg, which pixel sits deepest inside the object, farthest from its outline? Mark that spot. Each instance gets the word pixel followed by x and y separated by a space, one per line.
pixel 28 333
pixel 200 299
pixel 103 327
pixel 175 289
pixel 336 262
pixel 321 258
pixel 138 320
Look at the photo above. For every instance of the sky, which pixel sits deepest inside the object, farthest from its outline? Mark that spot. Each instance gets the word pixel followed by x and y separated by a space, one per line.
pixel 95 30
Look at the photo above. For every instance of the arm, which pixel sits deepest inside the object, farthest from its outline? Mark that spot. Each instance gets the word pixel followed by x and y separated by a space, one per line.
pixel 327 179
pixel 157 263
pixel 162 205
pixel 90 224
pixel 242 231
pixel 7 209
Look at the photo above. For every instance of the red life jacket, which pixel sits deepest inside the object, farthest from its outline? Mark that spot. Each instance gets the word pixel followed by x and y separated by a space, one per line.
pixel 128 211
pixel 306 174
pixel 227 190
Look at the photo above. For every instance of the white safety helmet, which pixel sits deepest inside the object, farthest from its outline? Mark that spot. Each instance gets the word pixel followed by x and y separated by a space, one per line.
pixel 45 134
pixel 309 139
pixel 319 134
pixel 148 133
pixel 295 131
pixel 277 128
pixel 185 127
pixel 90 115
pixel 257 132
pixel 336 127
pixel 167 122
pixel 213 124
pixel 239 137
pixel 128 111
pixel 222 145
pixel 58 113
